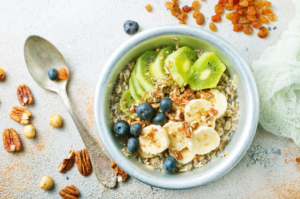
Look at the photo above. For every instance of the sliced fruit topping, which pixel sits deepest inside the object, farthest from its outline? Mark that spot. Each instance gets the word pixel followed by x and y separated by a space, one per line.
pixel 126 101
pixel 179 63
pixel 204 140
pixel 138 87
pixel 206 72
pixel 178 140
pixel 154 139
pixel 184 156
pixel 218 101
pixel 133 90
pixel 142 66
pixel 157 70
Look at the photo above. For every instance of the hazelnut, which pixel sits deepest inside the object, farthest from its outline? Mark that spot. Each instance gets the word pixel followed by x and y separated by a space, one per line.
pixel 29 131
pixel 2 74
pixel 46 183
pixel 55 120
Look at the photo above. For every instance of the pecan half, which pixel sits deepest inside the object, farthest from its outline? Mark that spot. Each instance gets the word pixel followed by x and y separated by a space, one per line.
pixel 83 162
pixel 67 163
pixel 69 192
pixel 11 140
pixel 20 115
pixel 186 129
pixel 213 112
pixel 119 172
pixel 177 154
pixel 24 95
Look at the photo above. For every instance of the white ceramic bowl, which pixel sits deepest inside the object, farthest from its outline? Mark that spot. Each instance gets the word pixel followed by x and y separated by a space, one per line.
pixel 196 38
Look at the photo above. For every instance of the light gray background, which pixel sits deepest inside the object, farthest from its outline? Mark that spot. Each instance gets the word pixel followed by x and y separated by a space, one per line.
pixel 87 33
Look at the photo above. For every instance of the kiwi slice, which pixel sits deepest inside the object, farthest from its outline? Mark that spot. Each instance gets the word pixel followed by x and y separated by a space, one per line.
pixel 138 87
pixel 126 101
pixel 142 66
pixel 180 63
pixel 157 70
pixel 133 90
pixel 206 72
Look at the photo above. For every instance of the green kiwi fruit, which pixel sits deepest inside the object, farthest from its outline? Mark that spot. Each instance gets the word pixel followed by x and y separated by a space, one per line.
pixel 157 70
pixel 142 67
pixel 133 90
pixel 206 72
pixel 129 100
pixel 139 89
pixel 180 63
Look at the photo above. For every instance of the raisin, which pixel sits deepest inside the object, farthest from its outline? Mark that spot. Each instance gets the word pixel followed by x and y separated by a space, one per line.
pixel 196 5
pixel 238 28
pixel 266 11
pixel 182 16
pixel 263 32
pixel 244 20
pixel 212 26
pixel 243 3
pixel 272 17
pixel 182 22
pixel 256 24
pixel 174 1
pixel 229 6
pixel 199 19
pixel 235 17
pixel 237 7
pixel 195 13
pixel 219 9
pixel 267 4
pixel 258 12
pixel 248 30
pixel 241 12
pixel 148 7
pixel 228 16
pixel 186 9
pixel 259 3
pixel 251 17
pixel 62 73
pixel 216 18
pixel 251 10
pixel 176 11
pixel 263 19
pixel 169 5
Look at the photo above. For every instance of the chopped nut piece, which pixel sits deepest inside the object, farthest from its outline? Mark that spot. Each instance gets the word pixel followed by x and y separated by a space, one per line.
pixel 119 171
pixel 206 95
pixel 133 107
pixel 196 159
pixel 20 115
pixel 179 116
pixel 67 163
pixel 167 69
pixel 178 155
pixel 113 164
pixel 24 95
pixel 83 162
pixel 186 129
pixel 213 112
pixel 194 124
pixel 11 140
pixel 69 192
pixel 155 105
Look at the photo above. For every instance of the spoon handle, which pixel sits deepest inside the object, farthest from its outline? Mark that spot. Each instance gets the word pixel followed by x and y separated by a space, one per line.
pixel 100 162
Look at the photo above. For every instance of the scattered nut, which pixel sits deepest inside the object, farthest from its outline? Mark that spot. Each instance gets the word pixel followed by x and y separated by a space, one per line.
pixel 121 175
pixel 46 183
pixel 55 120
pixel 67 163
pixel 11 140
pixel 29 131
pixel 24 95
pixel 2 74
pixel 83 162
pixel 69 192
pixel 20 115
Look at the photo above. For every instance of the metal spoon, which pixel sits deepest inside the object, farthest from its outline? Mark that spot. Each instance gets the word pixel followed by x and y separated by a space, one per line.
pixel 40 56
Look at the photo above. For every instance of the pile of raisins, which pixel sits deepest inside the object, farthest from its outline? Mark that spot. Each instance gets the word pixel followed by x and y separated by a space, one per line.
pixel 181 14
pixel 246 14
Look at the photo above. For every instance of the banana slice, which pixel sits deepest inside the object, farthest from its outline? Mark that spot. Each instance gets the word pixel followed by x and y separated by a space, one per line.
pixel 176 107
pixel 184 156
pixel 204 140
pixel 219 102
pixel 153 139
pixel 198 111
pixel 145 155
pixel 178 141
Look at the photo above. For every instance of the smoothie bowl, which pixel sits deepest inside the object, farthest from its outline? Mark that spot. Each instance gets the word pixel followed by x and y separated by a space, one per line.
pixel 176 107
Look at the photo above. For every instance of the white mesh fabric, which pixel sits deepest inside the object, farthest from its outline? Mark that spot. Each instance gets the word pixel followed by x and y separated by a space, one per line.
pixel 277 75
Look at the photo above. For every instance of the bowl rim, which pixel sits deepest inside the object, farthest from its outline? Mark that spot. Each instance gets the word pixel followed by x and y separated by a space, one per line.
pixel 199 33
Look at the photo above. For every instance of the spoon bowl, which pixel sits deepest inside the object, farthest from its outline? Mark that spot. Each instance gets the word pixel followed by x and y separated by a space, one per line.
pixel 40 56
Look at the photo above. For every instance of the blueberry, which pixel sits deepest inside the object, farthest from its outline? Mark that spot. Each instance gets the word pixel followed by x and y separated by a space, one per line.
pixel 131 27
pixel 136 128
pixel 122 128
pixel 53 74
pixel 166 104
pixel 159 118
pixel 170 164
pixel 133 144
pixel 145 111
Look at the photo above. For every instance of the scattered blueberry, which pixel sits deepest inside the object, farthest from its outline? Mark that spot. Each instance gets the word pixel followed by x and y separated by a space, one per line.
pixel 159 118
pixel 136 129
pixel 122 128
pixel 133 144
pixel 53 74
pixel 145 111
pixel 131 27
pixel 67 178
pixel 166 104
pixel 170 164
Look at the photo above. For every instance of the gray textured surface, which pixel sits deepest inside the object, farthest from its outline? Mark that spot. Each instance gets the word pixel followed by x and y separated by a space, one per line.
pixel 87 33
